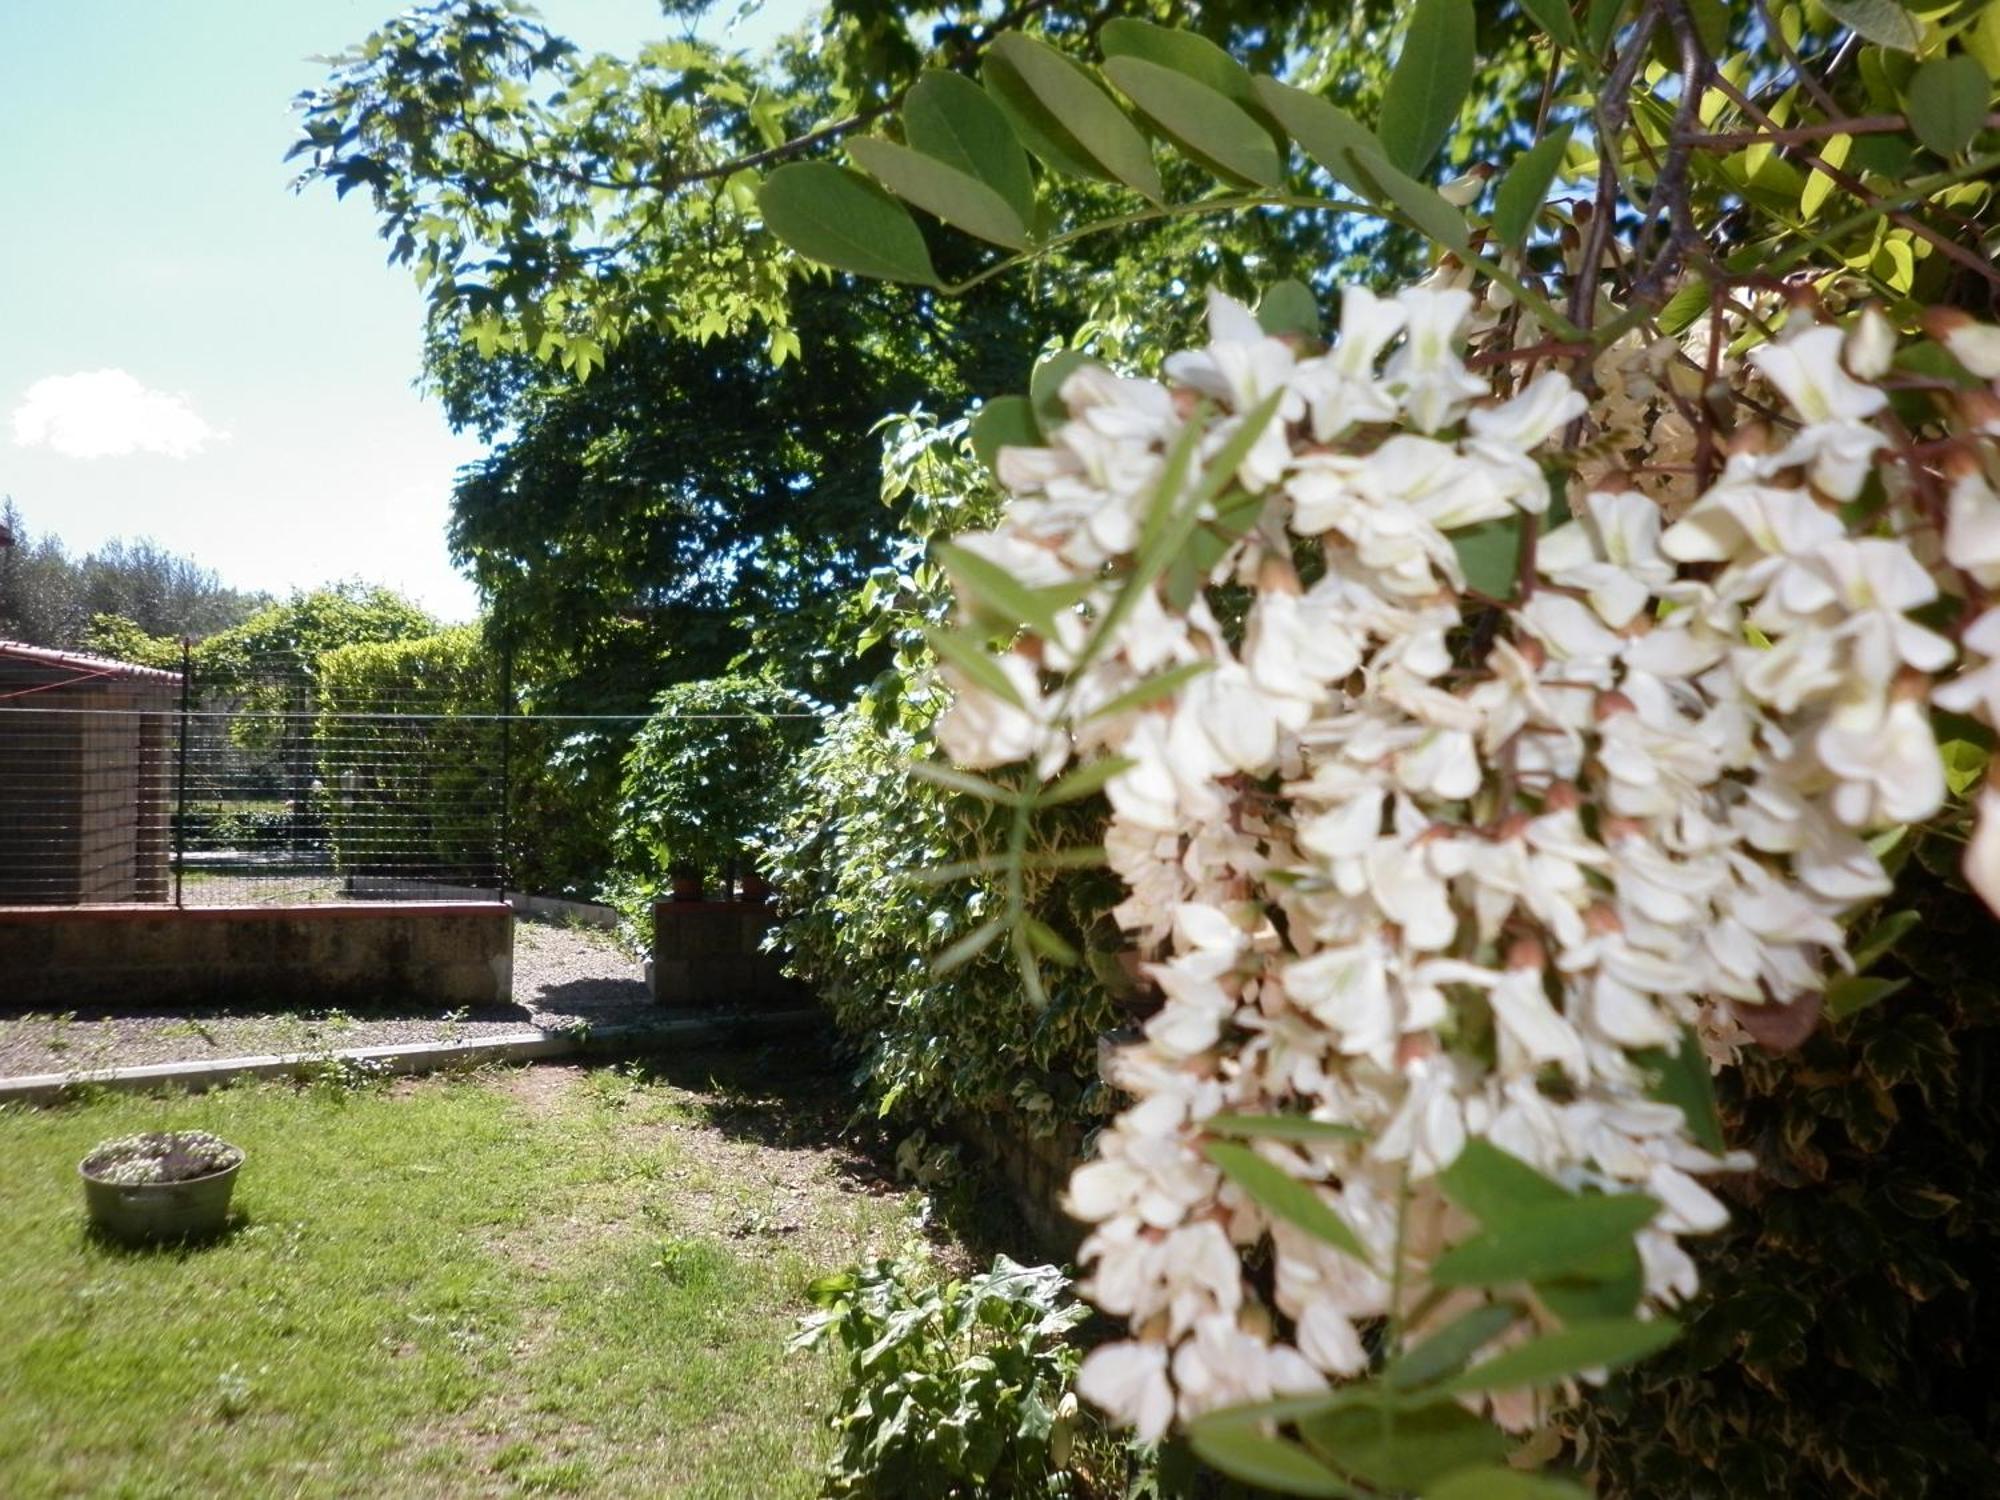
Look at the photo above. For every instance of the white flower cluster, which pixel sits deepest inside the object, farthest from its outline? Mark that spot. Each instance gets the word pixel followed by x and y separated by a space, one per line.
pixel 161 1156
pixel 1436 864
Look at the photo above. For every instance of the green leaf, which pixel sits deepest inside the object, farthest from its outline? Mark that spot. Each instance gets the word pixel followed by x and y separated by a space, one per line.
pixel 937 773
pixel 969 947
pixel 1557 1240
pixel 1405 1451
pixel 1609 1287
pixel 1964 765
pixel 1422 205
pixel 1603 1343
pixel 1049 943
pixel 1150 690
pixel 1052 101
pixel 1450 1347
pixel 1289 307
pixel 961 200
pixel 1490 554
pixel 1498 1483
pixel 1687 304
pixel 970 657
pixel 1526 187
pixel 1004 422
pixel 948 116
pixel 1085 781
pixel 1275 1463
pixel 1183 51
pixel 1682 1078
pixel 1947 103
pixel 1856 992
pixel 995 591
pixel 1283 1128
pixel 1881 21
pixel 1819 186
pixel 841 219
pixel 1496 1186
pixel 1201 121
pixel 1328 133
pixel 1882 938
pixel 1428 85
pixel 1284 1196
pixel 1045 387
pixel 1553 17
pixel 1600 21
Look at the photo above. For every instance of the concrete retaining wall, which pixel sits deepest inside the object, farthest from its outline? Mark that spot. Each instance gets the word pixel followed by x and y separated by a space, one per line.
pixel 333 953
pixel 709 953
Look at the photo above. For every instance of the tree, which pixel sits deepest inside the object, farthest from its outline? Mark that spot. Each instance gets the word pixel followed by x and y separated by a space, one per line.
pixel 49 598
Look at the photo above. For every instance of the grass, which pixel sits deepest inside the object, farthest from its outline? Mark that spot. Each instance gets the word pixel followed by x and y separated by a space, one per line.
pixel 548 1282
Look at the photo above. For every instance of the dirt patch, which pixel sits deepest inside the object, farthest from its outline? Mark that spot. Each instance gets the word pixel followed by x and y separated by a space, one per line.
pixel 540 1086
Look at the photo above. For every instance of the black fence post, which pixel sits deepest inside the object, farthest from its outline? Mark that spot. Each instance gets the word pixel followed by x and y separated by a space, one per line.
pixel 505 852
pixel 181 769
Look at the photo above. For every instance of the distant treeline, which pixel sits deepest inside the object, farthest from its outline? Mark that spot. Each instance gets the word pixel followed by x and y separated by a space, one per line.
pixel 49 597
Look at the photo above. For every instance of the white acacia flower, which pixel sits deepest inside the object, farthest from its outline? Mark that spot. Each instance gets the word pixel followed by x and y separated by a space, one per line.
pixel 1887 763
pixel 1129 1380
pixel 1612 552
pixel 1645 787
pixel 1972 529
pixel 1425 373
pixel 1836 443
pixel 1341 388
pixel 1982 852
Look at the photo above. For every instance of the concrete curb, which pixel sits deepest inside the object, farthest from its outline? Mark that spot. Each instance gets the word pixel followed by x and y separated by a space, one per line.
pixel 408 1057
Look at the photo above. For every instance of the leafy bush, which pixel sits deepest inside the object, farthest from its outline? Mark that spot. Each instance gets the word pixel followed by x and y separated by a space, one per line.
pixel 702 778
pixel 951 1390
pixel 1849 1340
pixel 863 926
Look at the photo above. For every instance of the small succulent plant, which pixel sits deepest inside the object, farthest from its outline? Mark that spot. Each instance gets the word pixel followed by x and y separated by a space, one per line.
pixel 160 1156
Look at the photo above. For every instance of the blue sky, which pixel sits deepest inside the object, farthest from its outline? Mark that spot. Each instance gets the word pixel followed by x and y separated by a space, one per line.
pixel 188 350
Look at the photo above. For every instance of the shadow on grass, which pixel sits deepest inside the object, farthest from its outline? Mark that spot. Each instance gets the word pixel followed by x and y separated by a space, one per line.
pixel 92 1236
pixel 797 1092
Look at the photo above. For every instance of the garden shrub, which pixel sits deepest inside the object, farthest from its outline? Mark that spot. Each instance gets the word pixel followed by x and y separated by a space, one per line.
pixel 954 1389
pixel 863 925
pixel 401 792
pixel 701 779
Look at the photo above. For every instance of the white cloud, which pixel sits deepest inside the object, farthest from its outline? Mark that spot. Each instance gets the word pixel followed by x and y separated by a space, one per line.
pixel 106 414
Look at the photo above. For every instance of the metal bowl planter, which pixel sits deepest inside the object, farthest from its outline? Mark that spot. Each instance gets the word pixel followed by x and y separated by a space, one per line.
pixel 174 1208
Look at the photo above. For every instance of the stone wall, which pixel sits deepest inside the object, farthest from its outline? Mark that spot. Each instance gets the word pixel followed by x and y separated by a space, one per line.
pixel 710 953
pixel 332 953
pixel 1033 1170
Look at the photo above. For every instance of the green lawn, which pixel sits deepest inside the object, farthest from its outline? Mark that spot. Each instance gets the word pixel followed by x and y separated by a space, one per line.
pixel 540 1281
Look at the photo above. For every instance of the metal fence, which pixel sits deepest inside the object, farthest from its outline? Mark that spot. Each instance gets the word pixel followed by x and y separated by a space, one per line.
pixel 121 783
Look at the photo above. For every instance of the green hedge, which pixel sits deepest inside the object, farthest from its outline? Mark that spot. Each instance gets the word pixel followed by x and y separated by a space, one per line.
pixel 863 927
pixel 1848 1339
pixel 405 791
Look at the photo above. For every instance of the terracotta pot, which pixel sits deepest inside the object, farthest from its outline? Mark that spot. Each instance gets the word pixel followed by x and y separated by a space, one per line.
pixel 754 889
pixel 687 885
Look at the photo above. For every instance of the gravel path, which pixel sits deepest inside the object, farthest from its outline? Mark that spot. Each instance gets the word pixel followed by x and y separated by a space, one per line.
pixel 563 977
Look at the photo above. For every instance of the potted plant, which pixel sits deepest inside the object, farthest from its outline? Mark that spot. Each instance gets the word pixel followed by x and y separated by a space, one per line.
pixel 700 781
pixel 162 1185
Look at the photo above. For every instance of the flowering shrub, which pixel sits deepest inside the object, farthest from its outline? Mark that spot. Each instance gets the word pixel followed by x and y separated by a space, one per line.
pixel 161 1156
pixel 1454 876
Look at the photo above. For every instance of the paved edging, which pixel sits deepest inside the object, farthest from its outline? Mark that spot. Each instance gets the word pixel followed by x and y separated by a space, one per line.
pixel 405 1057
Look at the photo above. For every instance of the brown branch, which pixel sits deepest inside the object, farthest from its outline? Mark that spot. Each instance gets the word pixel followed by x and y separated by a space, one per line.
pixel 1794 135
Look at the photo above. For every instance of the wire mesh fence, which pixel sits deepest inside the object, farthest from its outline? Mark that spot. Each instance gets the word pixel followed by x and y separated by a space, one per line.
pixel 252 783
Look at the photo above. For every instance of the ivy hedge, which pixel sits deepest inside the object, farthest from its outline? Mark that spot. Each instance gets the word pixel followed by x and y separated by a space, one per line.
pixel 1847 1342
